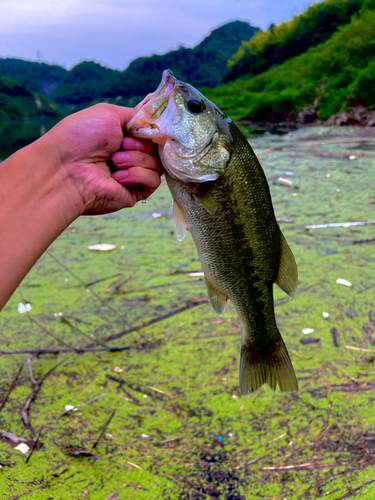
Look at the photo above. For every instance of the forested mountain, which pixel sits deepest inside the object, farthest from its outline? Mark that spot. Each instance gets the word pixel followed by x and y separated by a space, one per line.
pixel 205 64
pixel 37 77
pixel 289 39
pixel 16 101
pixel 332 77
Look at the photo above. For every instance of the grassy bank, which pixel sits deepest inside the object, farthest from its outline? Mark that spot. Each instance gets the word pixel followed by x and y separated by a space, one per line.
pixel 180 429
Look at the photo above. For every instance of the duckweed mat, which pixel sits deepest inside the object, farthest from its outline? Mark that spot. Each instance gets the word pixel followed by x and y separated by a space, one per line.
pixel 128 381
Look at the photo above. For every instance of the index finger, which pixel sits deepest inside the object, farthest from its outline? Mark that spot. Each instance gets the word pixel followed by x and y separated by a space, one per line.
pixel 141 145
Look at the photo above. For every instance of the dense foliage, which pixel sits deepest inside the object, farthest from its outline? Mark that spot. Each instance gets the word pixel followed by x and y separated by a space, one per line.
pixel 17 101
pixel 292 38
pixel 340 71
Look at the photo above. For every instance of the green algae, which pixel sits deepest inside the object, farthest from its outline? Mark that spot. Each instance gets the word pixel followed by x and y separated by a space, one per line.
pixel 181 430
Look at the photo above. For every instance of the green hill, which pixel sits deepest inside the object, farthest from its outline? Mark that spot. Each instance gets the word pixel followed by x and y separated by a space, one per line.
pixel 16 101
pixel 336 74
pixel 37 77
pixel 203 65
pixel 88 81
pixel 289 39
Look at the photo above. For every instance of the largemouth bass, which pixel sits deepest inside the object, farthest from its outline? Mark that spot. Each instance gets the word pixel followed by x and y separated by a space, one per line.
pixel 222 197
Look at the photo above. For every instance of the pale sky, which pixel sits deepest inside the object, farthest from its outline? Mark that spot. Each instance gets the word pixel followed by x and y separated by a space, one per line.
pixel 114 32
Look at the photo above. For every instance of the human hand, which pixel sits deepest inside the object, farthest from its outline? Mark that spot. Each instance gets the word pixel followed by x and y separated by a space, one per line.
pixel 88 144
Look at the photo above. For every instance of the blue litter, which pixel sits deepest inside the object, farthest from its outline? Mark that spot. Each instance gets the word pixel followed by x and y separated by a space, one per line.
pixel 288 173
pixel 220 438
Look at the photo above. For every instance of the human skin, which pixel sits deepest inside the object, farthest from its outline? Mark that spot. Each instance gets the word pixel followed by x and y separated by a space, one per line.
pixel 66 173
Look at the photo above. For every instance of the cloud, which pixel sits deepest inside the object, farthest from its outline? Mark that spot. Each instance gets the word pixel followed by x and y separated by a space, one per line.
pixel 114 32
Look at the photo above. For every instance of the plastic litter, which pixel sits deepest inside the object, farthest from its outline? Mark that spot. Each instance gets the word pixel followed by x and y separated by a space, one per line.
pixel 288 173
pixel 23 308
pixel 306 331
pixel 156 215
pixel 195 274
pixel 220 438
pixel 22 447
pixel 145 435
pixel 325 314
pixel 352 157
pixel 117 369
pixel 103 247
pixel 343 282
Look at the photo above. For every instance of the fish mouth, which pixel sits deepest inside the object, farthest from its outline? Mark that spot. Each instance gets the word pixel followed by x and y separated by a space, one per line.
pixel 151 108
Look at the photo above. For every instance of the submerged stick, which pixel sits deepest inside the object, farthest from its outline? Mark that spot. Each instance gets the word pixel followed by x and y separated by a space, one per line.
pixel 341 224
pixel 104 429
pixel 73 349
pixel 190 305
pixel 11 387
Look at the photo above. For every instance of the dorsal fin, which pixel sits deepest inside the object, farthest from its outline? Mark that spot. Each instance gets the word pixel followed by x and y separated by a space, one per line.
pixel 287 276
pixel 217 299
pixel 180 223
pixel 207 200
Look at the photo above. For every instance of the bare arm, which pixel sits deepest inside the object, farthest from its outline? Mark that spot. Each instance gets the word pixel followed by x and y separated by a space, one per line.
pixel 66 173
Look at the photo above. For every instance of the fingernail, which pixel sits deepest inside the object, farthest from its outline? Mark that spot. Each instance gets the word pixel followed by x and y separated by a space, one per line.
pixel 125 157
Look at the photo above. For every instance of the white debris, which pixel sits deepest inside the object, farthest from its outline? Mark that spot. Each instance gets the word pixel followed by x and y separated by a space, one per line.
pixel 306 331
pixel 22 447
pixel 156 215
pixel 328 176
pixel 325 314
pixel 195 274
pixel 284 182
pixel 23 308
pixel 352 157
pixel 103 247
pixel 145 435
pixel 70 408
pixel 58 314
pixel 338 191
pixel 234 396
pixel 343 282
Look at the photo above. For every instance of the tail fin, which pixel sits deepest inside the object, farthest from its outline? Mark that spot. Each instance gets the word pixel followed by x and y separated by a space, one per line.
pixel 271 366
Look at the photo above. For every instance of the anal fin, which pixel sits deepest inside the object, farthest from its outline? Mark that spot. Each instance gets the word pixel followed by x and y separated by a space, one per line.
pixel 287 276
pixel 218 300
pixel 180 223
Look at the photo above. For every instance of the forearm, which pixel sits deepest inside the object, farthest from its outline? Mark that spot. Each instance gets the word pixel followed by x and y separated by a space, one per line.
pixel 36 205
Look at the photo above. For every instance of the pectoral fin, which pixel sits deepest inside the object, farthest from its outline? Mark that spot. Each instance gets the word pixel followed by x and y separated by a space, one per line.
pixel 287 276
pixel 180 223
pixel 207 200
pixel 217 300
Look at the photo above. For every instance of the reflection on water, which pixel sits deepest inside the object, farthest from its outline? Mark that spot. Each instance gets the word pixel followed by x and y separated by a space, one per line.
pixel 17 134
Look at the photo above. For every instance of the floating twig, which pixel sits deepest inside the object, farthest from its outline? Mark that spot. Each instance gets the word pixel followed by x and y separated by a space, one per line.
pixel 266 152
pixel 30 399
pixel 73 349
pixel 283 219
pixel 161 392
pixel 11 387
pixel 359 349
pixel 75 408
pixel 341 224
pixel 34 445
pixel 103 429
pixel 190 305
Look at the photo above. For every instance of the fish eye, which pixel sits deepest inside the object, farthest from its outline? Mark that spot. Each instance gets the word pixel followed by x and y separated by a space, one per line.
pixel 195 106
